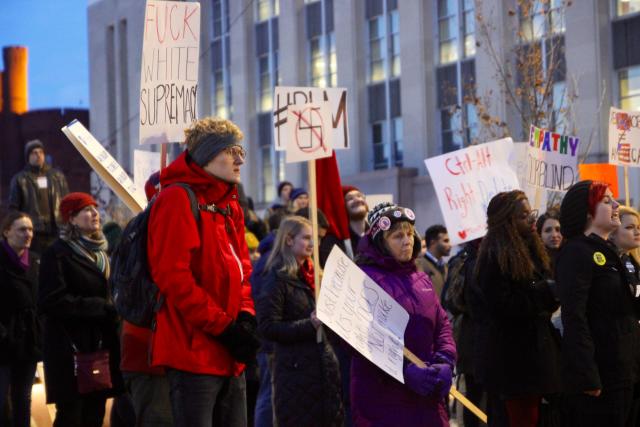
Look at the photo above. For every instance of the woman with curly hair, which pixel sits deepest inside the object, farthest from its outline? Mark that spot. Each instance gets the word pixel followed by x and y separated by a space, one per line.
pixel 520 346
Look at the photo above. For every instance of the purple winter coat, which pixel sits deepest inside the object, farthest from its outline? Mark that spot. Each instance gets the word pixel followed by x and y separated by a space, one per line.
pixel 377 399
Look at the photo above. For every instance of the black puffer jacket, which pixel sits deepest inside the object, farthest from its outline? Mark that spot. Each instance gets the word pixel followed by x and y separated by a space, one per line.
pixel 20 330
pixel 306 376
pixel 23 196
pixel 600 323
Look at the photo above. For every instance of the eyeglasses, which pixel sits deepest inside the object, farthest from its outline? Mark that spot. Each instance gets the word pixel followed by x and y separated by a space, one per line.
pixel 237 151
pixel 531 216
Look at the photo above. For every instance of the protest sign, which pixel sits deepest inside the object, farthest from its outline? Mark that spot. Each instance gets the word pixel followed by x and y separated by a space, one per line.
pixel 145 163
pixel 310 132
pixel 362 313
pixel 604 172
pixel 104 165
pixel 374 199
pixel 169 75
pixel 538 199
pixel 336 98
pixel 465 181
pixel 552 160
pixel 624 137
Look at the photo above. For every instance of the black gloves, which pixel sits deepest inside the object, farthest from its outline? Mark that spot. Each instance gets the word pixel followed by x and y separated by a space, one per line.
pixel 240 338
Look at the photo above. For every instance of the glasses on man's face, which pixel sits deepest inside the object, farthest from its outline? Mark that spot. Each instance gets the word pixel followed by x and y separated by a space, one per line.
pixel 237 152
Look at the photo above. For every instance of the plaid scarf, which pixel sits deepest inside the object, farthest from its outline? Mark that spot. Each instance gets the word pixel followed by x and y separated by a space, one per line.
pixel 92 249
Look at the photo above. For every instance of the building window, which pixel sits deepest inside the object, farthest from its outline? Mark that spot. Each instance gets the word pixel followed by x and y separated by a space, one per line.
pixel 221 59
pixel 540 19
pixel 376 49
pixel 456 30
pixel 266 9
pixel 627 7
pixel 322 64
pixel 394 43
pixel 630 88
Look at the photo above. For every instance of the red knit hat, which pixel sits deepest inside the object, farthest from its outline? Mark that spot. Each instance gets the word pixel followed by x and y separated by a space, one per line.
pixel 348 188
pixel 152 186
pixel 73 203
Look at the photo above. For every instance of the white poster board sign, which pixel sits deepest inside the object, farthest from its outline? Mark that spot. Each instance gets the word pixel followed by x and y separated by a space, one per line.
pixel 145 163
pixel 624 137
pixel 336 98
pixel 374 199
pixel 362 313
pixel 465 181
pixel 310 132
pixel 552 160
pixel 519 159
pixel 169 74
pixel 105 165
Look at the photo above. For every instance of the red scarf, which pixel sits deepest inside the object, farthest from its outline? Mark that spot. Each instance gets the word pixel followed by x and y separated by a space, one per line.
pixel 306 273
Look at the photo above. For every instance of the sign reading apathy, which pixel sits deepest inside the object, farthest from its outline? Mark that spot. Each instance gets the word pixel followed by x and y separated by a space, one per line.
pixel 310 127
pixel 169 75
pixel 105 165
pixel 465 181
pixel 362 313
pixel 552 160
pixel 624 137
pixel 336 98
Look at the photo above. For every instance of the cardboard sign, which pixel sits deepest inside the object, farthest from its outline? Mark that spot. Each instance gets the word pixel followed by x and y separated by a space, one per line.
pixel 552 160
pixel 336 98
pixel 604 172
pixel 310 132
pixel 145 163
pixel 624 137
pixel 465 181
pixel 169 75
pixel 104 165
pixel 362 313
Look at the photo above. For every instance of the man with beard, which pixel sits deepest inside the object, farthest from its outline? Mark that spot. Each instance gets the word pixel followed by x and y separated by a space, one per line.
pixel 357 211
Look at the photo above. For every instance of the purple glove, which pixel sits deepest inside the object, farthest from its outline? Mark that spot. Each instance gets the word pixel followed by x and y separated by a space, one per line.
pixel 445 378
pixel 433 381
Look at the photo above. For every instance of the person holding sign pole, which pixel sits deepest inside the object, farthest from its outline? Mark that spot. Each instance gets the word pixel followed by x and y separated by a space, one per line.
pixel 520 345
pixel 306 376
pixel 598 314
pixel 387 254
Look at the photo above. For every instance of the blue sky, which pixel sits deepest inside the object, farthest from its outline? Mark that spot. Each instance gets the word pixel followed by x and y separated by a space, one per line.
pixel 55 31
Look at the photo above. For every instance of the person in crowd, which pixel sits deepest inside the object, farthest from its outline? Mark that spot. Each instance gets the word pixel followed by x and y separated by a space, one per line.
pixel 598 316
pixel 263 414
pixel 205 329
pixel 323 223
pixel 306 375
pixel 252 245
pixel 20 332
pixel 387 254
pixel 79 317
pixel 522 347
pixel 548 227
pixel 433 262
pixel 299 199
pixel 37 191
pixel 627 240
pixel 284 193
pixel 251 220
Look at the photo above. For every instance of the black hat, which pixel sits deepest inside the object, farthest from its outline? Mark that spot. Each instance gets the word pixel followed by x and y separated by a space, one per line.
pixel 385 214
pixel 574 210
pixel 30 146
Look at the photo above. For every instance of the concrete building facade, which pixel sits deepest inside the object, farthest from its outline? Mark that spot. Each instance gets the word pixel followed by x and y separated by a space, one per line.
pixel 405 64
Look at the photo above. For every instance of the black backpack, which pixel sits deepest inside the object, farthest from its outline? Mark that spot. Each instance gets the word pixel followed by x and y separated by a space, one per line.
pixel 134 294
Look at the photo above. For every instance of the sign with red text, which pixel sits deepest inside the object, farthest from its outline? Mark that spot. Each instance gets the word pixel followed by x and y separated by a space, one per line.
pixel 310 132
pixel 466 180
pixel 169 74
pixel 624 137
pixel 335 98
pixel 552 160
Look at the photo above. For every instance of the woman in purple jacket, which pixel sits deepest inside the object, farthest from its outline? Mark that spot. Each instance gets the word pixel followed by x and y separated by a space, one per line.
pixel 387 254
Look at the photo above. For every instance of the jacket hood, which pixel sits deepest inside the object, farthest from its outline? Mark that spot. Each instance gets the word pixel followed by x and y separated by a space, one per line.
pixel 183 170
pixel 368 253
pixel 267 243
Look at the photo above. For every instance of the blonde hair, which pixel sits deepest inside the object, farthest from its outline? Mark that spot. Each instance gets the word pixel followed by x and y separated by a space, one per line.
pixel 281 254
pixel 202 128
pixel 625 210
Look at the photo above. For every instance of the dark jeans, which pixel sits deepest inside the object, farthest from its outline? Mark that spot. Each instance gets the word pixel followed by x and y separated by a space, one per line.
pixel 201 400
pixel 264 408
pixel 150 398
pixel 610 409
pixel 17 378
pixel 86 411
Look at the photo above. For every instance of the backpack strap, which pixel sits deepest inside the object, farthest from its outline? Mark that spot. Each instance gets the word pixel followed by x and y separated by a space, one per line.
pixel 196 207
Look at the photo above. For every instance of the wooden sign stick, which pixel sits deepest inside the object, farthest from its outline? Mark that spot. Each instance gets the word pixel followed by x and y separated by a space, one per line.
pixel 313 213
pixel 626 186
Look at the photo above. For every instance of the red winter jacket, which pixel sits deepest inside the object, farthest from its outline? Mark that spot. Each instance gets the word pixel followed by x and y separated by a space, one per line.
pixel 201 269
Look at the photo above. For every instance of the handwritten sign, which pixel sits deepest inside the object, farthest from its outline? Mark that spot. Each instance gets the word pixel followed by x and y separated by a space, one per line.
pixel 552 160
pixel 624 137
pixel 169 75
pixel 538 198
pixel 145 163
pixel 310 132
pixel 465 181
pixel 362 313
pixel 336 98
pixel 604 172
pixel 104 165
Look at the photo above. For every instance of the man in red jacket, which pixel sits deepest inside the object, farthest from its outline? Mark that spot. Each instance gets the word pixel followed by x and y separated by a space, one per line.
pixel 205 330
